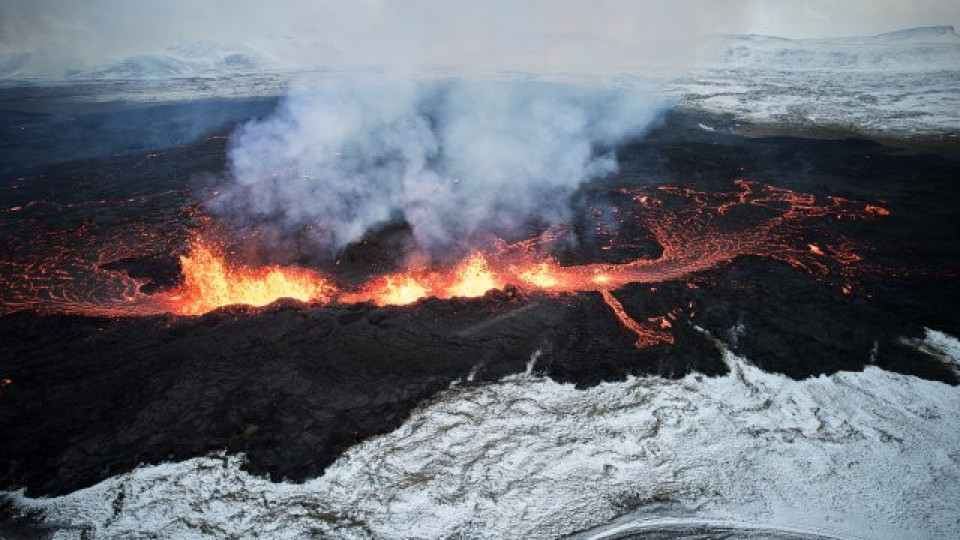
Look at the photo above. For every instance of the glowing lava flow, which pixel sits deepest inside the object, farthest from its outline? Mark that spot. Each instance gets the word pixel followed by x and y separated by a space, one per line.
pixel 471 278
pixel 696 230
pixel 692 228
pixel 647 336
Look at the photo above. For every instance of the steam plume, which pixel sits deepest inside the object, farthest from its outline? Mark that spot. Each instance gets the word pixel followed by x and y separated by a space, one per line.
pixel 457 160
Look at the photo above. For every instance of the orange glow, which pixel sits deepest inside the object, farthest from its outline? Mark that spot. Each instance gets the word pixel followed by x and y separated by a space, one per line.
pixel 600 279
pixel 208 283
pixel 647 336
pixel 396 290
pixel 473 278
pixel 542 275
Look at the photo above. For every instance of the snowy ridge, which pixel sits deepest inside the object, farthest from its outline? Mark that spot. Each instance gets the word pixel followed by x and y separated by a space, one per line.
pixel 907 50
pixel 189 59
pixel 924 34
pixel 181 60
pixel 870 454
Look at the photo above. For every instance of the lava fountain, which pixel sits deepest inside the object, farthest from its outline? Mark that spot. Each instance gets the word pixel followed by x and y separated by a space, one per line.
pixel 209 282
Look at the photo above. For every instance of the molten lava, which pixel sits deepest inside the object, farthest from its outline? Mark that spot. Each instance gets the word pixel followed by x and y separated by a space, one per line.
pixel 398 290
pixel 67 270
pixel 541 275
pixel 473 278
pixel 208 283
pixel 650 335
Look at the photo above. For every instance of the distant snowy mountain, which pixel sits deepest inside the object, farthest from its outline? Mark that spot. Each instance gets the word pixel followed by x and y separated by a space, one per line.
pixel 911 49
pixel 188 59
pixel 926 34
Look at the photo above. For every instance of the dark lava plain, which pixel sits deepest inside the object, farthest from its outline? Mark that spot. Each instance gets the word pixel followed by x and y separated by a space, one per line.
pixel 292 385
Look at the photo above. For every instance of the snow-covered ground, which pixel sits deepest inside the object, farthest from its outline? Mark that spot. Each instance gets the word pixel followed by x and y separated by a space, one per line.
pixel 856 455
pixel 903 83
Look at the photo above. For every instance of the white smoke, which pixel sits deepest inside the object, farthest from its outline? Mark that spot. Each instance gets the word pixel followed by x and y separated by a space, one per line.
pixel 459 161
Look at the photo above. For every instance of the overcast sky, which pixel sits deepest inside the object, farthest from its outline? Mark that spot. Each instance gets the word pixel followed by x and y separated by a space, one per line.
pixel 523 34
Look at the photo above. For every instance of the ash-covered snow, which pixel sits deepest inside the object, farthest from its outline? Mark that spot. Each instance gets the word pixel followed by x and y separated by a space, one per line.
pixel 870 454
pixel 943 347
